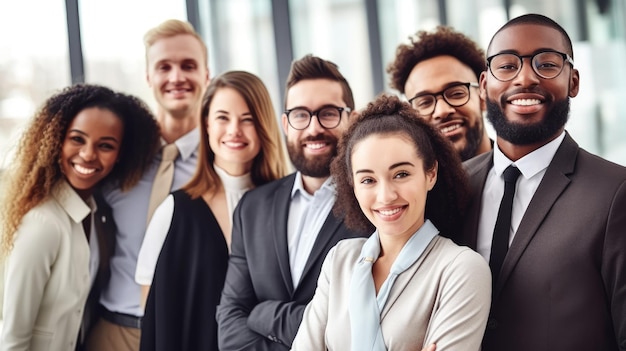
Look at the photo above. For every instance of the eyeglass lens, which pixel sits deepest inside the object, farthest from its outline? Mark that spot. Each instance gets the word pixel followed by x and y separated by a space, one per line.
pixel 546 64
pixel 329 117
pixel 455 96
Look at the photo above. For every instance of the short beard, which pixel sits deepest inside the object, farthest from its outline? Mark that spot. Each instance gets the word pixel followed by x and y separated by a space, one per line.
pixel 472 140
pixel 318 167
pixel 521 134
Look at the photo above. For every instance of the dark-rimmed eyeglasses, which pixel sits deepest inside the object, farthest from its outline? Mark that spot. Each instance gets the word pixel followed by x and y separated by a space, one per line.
pixel 456 96
pixel 328 116
pixel 546 64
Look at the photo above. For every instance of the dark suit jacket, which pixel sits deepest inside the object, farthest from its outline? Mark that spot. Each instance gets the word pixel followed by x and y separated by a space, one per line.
pixel 563 282
pixel 259 308
pixel 105 229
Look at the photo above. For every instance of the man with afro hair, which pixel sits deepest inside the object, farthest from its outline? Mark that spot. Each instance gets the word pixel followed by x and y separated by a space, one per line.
pixel 444 63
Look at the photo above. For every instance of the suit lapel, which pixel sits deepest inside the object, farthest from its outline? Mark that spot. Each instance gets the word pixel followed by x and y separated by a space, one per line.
pixel 324 238
pixel 405 278
pixel 554 182
pixel 280 208
pixel 477 176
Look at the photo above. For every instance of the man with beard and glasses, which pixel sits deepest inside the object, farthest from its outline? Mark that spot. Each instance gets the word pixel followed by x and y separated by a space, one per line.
pixel 558 253
pixel 445 64
pixel 283 230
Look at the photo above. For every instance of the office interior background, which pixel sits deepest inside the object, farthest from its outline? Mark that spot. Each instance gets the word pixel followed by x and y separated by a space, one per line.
pixel 49 44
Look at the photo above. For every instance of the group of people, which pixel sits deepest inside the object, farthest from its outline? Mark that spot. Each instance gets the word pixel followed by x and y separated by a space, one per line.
pixel 402 227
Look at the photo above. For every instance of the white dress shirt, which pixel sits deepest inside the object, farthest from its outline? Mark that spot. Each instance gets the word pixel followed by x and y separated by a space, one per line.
pixel 307 214
pixel 533 167
pixel 130 208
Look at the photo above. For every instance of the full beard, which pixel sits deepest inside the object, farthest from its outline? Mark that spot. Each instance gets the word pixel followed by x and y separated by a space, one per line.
pixel 525 134
pixel 472 140
pixel 319 166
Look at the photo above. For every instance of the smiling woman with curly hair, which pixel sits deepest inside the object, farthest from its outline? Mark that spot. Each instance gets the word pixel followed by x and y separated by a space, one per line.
pixel 408 285
pixel 56 230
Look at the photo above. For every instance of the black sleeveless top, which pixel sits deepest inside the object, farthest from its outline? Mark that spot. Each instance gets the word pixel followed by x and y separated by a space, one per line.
pixel 188 281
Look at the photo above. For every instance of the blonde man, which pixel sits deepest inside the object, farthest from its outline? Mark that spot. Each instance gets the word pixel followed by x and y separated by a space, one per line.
pixel 177 72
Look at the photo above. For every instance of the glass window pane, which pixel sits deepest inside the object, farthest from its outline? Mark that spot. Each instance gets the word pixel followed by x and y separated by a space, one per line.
pixel 336 30
pixel 112 40
pixel 34 63
pixel 241 36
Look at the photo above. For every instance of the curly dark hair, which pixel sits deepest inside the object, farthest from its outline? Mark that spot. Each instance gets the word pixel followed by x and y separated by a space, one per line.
pixel 425 45
pixel 387 115
pixel 36 167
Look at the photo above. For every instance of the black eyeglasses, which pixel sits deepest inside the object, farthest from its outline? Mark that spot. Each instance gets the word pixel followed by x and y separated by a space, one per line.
pixel 456 96
pixel 546 64
pixel 328 116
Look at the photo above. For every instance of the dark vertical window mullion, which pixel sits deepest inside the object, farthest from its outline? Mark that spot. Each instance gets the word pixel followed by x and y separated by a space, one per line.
pixel 283 42
pixel 507 8
pixel 376 55
pixel 77 67
pixel 443 12
pixel 193 15
pixel 583 23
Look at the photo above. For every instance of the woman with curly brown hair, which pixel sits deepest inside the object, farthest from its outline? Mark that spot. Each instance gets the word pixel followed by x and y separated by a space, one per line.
pixel 56 231
pixel 407 286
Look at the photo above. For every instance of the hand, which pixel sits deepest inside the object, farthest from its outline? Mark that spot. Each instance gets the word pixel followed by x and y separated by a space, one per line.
pixel 430 347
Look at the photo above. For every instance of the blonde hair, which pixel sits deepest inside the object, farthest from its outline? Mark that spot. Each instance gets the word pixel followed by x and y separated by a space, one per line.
pixel 270 163
pixel 172 28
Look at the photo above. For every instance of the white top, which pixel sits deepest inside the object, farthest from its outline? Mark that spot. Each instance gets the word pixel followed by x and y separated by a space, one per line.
pixel 46 275
pixel 533 167
pixel 307 214
pixel 159 226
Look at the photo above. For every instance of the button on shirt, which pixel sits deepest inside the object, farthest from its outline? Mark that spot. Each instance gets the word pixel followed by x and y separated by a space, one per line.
pixel 533 167
pixel 130 209
pixel 307 214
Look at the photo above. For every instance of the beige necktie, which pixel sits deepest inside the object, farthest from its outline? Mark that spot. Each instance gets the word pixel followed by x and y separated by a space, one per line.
pixel 163 179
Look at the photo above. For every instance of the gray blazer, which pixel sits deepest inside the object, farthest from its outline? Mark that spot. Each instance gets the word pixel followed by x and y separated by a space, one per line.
pixel 260 309
pixel 442 298
pixel 563 281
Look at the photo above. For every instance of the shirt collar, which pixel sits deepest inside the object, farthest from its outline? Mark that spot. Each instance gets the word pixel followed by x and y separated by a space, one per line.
pixel 71 202
pixel 187 144
pixel 530 164
pixel 299 187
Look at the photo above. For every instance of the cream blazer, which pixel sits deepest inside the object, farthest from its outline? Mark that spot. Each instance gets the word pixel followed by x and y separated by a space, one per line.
pixel 46 276
pixel 442 298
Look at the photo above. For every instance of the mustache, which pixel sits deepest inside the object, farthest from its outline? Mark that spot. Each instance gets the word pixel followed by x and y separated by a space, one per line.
pixel 534 90
pixel 320 137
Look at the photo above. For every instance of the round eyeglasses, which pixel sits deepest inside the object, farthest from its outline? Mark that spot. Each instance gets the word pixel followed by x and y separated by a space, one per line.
pixel 456 96
pixel 546 64
pixel 328 116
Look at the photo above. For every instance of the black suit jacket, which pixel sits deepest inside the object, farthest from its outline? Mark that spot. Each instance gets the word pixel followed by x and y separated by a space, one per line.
pixel 563 282
pixel 105 230
pixel 259 308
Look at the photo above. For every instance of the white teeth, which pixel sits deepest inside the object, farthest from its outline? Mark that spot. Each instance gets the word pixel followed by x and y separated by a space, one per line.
pixel 233 144
pixel 82 170
pixel 389 212
pixel 450 128
pixel 315 146
pixel 525 102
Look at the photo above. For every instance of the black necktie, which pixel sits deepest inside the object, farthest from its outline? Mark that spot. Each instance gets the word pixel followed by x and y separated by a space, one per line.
pixel 500 241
